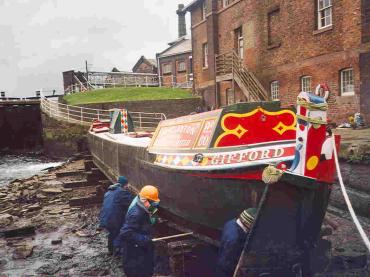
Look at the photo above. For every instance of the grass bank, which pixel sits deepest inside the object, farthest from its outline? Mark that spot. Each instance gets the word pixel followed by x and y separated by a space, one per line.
pixel 126 94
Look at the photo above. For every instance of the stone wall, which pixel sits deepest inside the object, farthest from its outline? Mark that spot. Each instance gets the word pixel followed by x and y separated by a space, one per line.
pixel 171 108
pixel 61 139
pixel 20 127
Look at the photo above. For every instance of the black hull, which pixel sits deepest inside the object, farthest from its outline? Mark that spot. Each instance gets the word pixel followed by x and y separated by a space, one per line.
pixel 205 201
pixel 210 202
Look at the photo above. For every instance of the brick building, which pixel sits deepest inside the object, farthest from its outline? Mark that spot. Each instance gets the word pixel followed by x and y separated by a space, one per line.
pixel 175 62
pixel 279 48
pixel 144 65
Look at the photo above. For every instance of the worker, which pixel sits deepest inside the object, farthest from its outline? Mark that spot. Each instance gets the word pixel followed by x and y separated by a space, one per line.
pixel 233 238
pixel 115 204
pixel 135 235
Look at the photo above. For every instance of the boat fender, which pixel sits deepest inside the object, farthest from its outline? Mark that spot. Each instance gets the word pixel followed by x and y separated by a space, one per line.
pixel 271 175
pixel 198 158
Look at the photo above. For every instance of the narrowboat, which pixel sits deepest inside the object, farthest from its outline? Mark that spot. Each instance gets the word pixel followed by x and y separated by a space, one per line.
pixel 210 166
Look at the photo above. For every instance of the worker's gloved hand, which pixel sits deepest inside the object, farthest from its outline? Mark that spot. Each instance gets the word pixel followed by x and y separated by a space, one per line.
pixel 144 240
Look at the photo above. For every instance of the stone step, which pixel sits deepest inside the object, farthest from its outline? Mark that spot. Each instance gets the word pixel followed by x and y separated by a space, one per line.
pixel 19 231
pixel 89 164
pixel 84 201
pixel 69 173
pixel 77 184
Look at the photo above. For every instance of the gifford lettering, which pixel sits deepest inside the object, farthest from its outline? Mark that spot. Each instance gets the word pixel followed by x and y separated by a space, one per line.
pixel 248 156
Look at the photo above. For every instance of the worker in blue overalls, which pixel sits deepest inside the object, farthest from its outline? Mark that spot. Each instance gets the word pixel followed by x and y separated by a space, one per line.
pixel 233 238
pixel 135 236
pixel 116 202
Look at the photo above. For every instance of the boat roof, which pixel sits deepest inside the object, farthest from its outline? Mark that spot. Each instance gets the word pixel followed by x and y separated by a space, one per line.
pixel 125 139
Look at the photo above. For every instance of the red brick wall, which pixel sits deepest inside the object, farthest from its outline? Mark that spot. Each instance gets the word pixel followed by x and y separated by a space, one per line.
pixel 146 68
pixel 297 47
pixel 176 75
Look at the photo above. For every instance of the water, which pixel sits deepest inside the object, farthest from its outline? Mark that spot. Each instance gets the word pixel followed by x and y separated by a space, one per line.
pixel 18 166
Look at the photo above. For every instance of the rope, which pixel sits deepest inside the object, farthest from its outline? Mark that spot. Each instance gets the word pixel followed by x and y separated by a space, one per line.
pixel 311 120
pixel 348 202
pixel 312 106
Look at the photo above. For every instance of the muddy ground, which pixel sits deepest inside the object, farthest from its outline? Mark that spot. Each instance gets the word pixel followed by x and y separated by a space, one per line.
pixel 49 228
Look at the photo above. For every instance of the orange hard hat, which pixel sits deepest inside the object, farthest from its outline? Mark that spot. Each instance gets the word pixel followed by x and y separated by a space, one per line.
pixel 150 192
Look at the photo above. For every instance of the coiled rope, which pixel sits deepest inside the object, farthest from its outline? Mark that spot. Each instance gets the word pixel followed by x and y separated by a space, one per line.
pixel 348 202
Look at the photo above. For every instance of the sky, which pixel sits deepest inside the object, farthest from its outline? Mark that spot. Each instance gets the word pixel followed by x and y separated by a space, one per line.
pixel 39 39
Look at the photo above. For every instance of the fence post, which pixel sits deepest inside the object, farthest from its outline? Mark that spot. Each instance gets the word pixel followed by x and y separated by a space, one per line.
pixel 146 81
pixel 81 116
pixel 68 113
pixel 98 115
pixel 140 120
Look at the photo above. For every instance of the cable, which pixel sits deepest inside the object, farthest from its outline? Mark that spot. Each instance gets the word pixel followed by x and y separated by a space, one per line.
pixel 348 202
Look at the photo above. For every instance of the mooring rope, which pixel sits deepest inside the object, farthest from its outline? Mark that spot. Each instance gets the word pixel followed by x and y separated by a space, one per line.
pixel 348 202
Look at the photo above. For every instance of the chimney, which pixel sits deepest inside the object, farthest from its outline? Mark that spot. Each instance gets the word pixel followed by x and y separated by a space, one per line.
pixel 182 23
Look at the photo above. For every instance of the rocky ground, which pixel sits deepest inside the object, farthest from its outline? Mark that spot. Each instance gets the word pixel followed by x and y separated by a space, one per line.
pixel 48 227
pixel 46 231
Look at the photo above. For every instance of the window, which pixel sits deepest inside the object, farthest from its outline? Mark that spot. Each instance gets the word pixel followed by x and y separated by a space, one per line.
pixel 230 97
pixel 226 3
pixel 167 68
pixel 239 42
pixel 324 13
pixel 273 28
pixel 275 90
pixel 204 10
pixel 205 55
pixel 181 66
pixel 306 83
pixel 347 82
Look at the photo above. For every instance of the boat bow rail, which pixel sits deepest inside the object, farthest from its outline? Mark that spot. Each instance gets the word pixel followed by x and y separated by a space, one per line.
pixel 85 116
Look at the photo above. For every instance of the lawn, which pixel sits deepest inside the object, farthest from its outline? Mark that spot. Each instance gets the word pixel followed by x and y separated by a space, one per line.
pixel 126 94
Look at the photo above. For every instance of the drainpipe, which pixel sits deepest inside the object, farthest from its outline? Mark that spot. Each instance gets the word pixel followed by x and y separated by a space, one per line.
pixel 159 72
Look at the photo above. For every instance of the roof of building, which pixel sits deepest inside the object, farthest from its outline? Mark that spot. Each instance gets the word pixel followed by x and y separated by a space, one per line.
pixel 180 46
pixel 191 5
pixel 143 59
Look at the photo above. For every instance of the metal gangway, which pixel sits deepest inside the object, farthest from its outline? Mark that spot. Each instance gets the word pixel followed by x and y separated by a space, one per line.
pixel 85 116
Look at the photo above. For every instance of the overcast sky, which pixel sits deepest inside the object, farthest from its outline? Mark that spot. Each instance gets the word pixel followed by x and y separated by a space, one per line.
pixel 39 39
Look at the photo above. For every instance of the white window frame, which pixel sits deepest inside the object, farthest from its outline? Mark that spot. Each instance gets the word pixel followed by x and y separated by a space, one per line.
pixel 324 13
pixel 205 55
pixel 225 3
pixel 274 89
pixel 240 42
pixel 181 66
pixel 167 68
pixel 204 10
pixel 306 83
pixel 347 82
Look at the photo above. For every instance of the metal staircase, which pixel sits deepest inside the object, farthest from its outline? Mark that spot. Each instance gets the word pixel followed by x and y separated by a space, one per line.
pixel 230 67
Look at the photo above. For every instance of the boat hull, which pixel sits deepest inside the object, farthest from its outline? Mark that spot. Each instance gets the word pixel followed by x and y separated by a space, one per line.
pixel 204 200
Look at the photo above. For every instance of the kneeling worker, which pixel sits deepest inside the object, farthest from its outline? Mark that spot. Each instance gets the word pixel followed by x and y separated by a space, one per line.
pixel 116 202
pixel 233 238
pixel 135 235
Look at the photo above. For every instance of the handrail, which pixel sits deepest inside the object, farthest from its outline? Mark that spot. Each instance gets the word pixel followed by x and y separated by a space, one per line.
pixel 230 63
pixel 85 116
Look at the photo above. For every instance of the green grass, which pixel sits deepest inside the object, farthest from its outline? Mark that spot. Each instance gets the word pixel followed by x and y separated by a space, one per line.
pixel 126 94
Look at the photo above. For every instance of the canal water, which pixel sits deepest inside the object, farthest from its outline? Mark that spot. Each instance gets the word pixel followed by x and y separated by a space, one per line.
pixel 22 166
